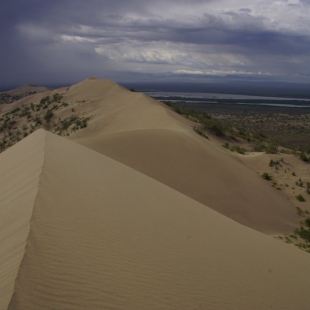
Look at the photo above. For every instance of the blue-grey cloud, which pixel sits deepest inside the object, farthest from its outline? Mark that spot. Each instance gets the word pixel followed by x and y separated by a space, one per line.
pixel 63 41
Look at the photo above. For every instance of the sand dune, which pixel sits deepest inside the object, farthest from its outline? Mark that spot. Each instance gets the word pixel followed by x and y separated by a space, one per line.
pixel 93 233
pixel 19 169
pixel 145 135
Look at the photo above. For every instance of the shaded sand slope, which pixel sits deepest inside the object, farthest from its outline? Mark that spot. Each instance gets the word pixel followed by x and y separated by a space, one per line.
pixel 19 172
pixel 104 236
pixel 143 134
pixel 202 172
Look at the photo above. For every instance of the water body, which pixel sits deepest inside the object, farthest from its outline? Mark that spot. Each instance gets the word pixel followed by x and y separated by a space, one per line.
pixel 216 98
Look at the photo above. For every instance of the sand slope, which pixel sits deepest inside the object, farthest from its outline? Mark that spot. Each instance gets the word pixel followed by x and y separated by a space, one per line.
pixel 19 170
pixel 103 236
pixel 145 135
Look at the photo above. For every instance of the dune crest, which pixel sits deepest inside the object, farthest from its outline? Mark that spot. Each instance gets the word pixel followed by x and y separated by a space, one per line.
pixel 20 170
pixel 104 236
pixel 144 134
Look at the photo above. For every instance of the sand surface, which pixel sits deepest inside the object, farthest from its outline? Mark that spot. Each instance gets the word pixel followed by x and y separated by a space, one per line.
pixel 88 232
pixel 145 135
pixel 20 169
pixel 124 216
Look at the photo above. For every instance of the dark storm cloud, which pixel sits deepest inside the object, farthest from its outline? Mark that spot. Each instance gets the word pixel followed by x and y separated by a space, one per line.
pixel 68 40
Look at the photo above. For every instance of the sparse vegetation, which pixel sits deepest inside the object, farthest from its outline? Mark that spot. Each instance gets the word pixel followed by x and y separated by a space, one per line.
pixel 6 98
pixel 275 164
pixel 266 176
pixel 303 233
pixel 300 183
pixel 73 122
pixel 201 132
pixel 305 157
pixel 300 198
pixel 168 103
pixel 57 97
pixel 21 121
pixel 207 122
pixel 265 128
pixel 235 148
pixel 225 130
pixel 300 211
pixel 48 116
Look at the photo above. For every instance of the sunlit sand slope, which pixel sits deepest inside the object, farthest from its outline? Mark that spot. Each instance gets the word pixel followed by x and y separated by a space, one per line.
pixel 104 236
pixel 20 168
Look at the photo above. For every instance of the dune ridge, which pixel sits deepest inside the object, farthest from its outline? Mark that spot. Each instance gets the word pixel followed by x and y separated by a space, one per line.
pixel 104 236
pixel 146 135
pixel 20 170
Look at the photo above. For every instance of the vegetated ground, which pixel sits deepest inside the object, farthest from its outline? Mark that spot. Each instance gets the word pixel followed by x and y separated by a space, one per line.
pixel 288 127
pixel 50 113
pixel 6 98
pixel 290 175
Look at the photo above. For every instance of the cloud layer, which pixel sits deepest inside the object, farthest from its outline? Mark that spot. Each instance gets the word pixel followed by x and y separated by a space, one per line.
pixel 65 41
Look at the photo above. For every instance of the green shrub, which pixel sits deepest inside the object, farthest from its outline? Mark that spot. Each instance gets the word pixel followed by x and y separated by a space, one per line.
pixel 275 163
pixel 48 115
pixel 57 97
pixel 266 176
pixel 168 103
pixel 303 233
pixel 226 145
pixel 300 198
pixel 305 157
pixel 216 127
pixel 177 110
pixel 271 148
pixel 238 149
pixel 45 100
pixel 200 132
pixel 259 147
pixel 307 222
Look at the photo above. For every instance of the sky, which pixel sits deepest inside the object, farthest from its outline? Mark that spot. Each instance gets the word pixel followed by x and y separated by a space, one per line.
pixel 64 41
